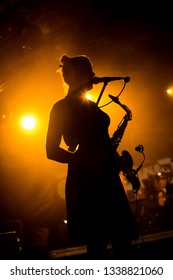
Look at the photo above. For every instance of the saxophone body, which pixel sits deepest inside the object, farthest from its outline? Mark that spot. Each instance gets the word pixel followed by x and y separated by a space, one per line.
pixel 125 159
pixel 119 133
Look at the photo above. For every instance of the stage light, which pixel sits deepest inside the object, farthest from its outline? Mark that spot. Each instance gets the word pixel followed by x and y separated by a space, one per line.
pixel 88 96
pixel 28 123
pixel 169 91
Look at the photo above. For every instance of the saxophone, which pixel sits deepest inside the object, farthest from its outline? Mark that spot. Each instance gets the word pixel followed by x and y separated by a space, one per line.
pixel 125 159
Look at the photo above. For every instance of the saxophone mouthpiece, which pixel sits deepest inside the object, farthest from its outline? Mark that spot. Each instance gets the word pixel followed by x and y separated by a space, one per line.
pixel 114 98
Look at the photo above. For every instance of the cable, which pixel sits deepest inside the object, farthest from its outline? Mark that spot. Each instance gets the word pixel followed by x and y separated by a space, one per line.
pixel 117 96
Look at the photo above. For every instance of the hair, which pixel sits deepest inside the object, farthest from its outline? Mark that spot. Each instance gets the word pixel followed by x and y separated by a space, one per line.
pixel 74 67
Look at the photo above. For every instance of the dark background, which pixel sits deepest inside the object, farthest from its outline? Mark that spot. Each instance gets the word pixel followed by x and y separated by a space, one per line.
pixel 122 39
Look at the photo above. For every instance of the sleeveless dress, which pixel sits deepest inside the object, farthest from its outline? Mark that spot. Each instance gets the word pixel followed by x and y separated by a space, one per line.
pixel 96 202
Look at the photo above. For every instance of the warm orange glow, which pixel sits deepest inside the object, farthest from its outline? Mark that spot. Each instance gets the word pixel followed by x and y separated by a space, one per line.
pixel 169 91
pixel 88 96
pixel 28 123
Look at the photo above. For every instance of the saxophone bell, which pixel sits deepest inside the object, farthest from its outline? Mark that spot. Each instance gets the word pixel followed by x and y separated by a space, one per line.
pixel 126 166
pixel 125 161
pixel 132 177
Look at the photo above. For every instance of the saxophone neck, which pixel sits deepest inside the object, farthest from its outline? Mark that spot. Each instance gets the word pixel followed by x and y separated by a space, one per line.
pixel 128 115
pixel 118 134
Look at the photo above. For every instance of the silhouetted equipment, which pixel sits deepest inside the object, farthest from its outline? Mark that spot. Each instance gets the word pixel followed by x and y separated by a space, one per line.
pixel 11 240
pixel 125 160
pixel 97 80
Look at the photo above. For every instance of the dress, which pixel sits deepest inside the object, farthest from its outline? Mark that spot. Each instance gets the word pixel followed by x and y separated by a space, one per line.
pixel 96 203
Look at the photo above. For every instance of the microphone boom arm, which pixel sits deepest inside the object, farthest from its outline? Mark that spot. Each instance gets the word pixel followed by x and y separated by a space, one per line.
pixel 101 93
pixel 105 83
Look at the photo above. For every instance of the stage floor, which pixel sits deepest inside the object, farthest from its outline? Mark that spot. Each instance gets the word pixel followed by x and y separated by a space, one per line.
pixel 158 245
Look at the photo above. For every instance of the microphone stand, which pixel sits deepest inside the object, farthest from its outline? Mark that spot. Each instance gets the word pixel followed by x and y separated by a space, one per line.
pixel 103 88
pixel 101 93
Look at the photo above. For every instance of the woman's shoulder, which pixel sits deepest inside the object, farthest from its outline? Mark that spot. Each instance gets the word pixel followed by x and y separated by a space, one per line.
pixel 60 103
pixel 58 107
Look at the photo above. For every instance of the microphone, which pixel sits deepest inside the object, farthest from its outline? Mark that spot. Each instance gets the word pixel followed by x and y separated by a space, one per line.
pixel 139 148
pixel 97 80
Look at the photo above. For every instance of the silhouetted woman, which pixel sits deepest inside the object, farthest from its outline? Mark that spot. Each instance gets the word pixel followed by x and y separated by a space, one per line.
pixel 98 211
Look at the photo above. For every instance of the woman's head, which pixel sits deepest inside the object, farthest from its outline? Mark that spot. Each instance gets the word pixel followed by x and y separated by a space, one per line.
pixel 77 71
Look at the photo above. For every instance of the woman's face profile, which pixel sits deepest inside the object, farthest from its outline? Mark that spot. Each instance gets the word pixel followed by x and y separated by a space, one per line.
pixel 83 78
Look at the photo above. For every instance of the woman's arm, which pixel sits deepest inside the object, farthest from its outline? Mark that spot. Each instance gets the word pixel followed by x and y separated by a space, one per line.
pixel 53 139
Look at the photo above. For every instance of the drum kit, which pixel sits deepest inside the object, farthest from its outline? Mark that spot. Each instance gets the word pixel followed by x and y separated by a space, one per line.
pixel 154 202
